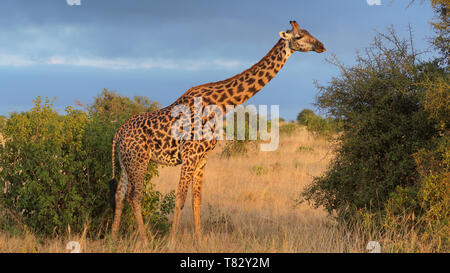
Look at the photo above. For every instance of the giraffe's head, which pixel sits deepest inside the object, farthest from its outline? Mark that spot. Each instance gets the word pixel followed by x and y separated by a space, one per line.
pixel 300 39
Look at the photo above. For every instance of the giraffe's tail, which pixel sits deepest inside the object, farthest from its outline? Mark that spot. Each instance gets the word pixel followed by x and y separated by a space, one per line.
pixel 114 142
pixel 113 182
pixel 112 194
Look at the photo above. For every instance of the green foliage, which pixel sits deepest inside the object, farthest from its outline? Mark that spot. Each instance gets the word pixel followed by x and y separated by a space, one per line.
pixel 435 81
pixel 425 205
pixel 317 124
pixel 391 171
pixel 158 207
pixel 43 161
pixel 304 116
pixel 3 120
pixel 385 124
pixel 109 104
pixel 55 168
pixel 434 191
pixel 429 200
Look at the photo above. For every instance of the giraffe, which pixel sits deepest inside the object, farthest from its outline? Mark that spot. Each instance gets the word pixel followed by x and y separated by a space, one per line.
pixel 147 137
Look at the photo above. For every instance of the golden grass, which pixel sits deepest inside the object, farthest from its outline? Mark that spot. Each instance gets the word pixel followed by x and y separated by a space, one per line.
pixel 248 205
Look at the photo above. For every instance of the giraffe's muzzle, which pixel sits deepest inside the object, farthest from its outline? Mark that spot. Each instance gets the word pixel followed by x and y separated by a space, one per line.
pixel 319 48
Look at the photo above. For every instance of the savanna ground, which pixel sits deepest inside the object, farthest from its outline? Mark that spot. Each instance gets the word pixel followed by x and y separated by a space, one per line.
pixel 249 204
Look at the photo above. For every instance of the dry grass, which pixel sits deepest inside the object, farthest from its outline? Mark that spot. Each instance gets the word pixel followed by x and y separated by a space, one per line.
pixel 248 206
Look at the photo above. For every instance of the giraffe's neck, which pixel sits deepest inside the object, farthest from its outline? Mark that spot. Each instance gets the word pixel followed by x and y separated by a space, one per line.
pixel 240 88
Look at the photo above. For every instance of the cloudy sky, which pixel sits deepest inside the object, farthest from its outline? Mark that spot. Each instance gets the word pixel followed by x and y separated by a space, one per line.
pixel 161 48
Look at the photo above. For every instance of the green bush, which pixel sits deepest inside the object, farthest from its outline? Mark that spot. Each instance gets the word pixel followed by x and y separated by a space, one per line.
pixel 111 106
pixel 385 123
pixel 391 172
pixel 305 116
pixel 43 164
pixel 317 124
pixel 55 168
pixel 425 205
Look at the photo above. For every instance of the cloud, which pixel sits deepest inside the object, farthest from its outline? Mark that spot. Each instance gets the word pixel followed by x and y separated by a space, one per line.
pixel 374 2
pixel 123 63
pixel 15 60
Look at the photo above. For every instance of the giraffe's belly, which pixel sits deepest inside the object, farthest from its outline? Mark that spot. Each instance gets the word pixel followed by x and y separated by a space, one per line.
pixel 168 157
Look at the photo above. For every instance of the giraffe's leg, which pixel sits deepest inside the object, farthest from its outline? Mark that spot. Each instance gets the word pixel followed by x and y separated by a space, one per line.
pixel 137 178
pixel 196 197
pixel 135 202
pixel 120 197
pixel 187 172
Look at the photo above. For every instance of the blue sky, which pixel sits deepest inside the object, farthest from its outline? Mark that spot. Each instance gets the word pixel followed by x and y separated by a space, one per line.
pixel 159 49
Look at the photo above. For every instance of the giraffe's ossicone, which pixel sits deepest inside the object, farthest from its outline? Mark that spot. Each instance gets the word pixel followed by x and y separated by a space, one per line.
pixel 148 136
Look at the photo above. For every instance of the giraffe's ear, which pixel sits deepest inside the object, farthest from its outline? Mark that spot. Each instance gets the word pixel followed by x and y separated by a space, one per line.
pixel 285 35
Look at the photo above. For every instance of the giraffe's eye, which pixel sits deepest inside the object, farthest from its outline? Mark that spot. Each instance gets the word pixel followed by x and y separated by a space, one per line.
pixel 297 38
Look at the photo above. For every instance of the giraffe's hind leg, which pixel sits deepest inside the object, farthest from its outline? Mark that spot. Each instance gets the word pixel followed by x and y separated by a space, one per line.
pixel 134 199
pixel 196 196
pixel 136 178
pixel 187 171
